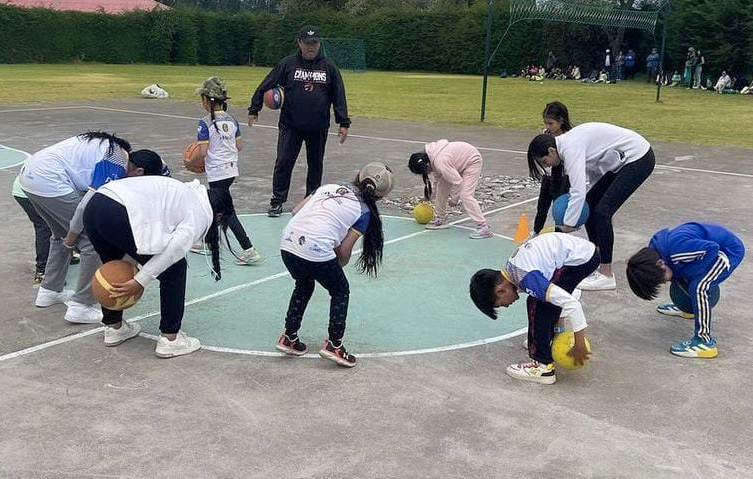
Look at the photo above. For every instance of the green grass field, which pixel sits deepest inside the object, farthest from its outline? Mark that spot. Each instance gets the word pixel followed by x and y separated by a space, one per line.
pixel 687 116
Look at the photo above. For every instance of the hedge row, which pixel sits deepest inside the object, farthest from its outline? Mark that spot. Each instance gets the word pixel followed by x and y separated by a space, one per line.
pixel 449 40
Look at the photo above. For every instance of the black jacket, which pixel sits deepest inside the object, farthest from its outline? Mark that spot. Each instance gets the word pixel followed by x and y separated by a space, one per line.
pixel 310 88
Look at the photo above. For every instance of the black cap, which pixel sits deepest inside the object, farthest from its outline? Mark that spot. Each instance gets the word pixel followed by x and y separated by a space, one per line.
pixel 310 33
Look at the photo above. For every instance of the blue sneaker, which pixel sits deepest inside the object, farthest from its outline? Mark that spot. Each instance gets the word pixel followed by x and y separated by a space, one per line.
pixel 695 348
pixel 671 310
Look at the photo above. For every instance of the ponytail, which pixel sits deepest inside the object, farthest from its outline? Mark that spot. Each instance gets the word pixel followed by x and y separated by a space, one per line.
pixel 111 139
pixel 212 103
pixel 419 164
pixel 373 238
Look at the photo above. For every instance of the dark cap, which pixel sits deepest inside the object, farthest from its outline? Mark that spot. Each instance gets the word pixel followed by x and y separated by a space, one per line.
pixel 310 33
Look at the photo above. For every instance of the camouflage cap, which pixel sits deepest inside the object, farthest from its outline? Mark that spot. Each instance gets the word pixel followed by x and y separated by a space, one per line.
pixel 381 175
pixel 213 87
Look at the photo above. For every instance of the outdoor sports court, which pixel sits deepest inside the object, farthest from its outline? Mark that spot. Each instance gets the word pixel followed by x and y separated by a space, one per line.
pixel 429 397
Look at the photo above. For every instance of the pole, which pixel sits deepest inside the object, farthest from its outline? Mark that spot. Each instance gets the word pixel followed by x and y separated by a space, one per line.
pixel 487 51
pixel 661 55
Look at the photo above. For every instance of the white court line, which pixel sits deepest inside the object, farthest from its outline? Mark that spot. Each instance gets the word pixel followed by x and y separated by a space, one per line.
pixel 223 292
pixel 18 151
pixel 396 140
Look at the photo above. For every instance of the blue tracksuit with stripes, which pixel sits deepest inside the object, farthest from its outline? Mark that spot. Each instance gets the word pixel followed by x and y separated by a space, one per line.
pixel 704 255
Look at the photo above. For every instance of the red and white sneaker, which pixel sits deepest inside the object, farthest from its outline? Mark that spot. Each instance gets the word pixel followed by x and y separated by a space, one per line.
pixel 337 354
pixel 293 347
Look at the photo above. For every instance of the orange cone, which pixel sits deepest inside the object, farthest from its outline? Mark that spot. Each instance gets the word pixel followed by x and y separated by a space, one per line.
pixel 521 234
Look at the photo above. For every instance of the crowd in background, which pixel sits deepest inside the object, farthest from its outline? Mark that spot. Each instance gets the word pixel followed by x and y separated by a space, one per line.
pixel 625 66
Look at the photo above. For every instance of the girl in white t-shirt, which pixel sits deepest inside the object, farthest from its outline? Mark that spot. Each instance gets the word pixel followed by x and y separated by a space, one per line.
pixel 605 165
pixel 317 243
pixel 155 220
pixel 219 137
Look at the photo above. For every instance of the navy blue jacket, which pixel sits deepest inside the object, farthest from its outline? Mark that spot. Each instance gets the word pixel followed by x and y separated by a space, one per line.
pixel 311 88
pixel 702 254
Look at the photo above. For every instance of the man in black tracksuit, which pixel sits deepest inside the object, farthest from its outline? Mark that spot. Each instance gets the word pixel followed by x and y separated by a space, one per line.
pixel 312 83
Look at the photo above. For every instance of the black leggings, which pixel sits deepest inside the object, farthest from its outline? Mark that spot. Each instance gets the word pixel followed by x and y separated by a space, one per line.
pixel 606 197
pixel 543 316
pixel 109 229
pixel 330 275
pixel 232 220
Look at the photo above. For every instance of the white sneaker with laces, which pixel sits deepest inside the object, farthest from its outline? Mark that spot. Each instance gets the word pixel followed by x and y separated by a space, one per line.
pixel 533 371
pixel 47 297
pixel 81 313
pixel 437 224
pixel 113 336
pixel 183 344
pixel 598 282
pixel 482 232
pixel 249 256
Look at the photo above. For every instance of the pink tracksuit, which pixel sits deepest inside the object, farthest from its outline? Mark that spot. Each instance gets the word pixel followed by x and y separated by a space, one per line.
pixel 456 167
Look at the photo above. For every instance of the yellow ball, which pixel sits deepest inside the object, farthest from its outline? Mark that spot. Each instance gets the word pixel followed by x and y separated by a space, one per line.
pixel 423 212
pixel 561 345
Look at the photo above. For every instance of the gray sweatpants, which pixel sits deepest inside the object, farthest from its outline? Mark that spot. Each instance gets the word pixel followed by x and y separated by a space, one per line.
pixel 57 212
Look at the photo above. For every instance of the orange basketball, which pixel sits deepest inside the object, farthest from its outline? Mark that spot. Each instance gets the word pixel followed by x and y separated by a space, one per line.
pixel 192 158
pixel 116 271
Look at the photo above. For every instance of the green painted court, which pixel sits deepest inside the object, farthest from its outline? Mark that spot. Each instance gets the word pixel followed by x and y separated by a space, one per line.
pixel 418 303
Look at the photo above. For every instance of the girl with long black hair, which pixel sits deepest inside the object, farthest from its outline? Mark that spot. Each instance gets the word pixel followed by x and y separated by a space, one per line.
pixel 58 181
pixel 554 182
pixel 317 243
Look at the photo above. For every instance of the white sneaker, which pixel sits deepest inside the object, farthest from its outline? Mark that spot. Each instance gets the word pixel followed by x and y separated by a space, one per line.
pixel 533 371
pixel 113 336
pixel 482 232
pixel 249 256
pixel 183 344
pixel 598 282
pixel 83 313
pixel 200 248
pixel 47 297
pixel 437 224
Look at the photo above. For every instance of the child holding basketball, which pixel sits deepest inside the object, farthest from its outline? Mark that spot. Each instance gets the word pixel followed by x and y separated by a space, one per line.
pixel 155 220
pixel 699 255
pixel 605 164
pixel 554 182
pixel 318 242
pixel 456 167
pixel 548 268
pixel 219 139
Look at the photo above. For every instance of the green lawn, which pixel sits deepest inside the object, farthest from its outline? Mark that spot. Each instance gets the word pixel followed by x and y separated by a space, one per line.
pixel 688 116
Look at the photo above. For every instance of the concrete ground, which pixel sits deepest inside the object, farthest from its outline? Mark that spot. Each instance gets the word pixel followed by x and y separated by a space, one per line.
pixel 72 408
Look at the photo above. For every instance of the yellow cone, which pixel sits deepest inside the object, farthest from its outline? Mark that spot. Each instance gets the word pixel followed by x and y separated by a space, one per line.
pixel 521 234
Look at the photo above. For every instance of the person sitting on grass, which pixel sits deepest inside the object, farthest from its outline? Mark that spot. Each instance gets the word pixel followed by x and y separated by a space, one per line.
pixel 548 268
pixel 699 255
pixel 676 79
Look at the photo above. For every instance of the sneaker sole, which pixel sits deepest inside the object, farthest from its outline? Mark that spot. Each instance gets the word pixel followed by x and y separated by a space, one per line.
pixel 533 379
pixel 249 263
pixel 291 351
pixel 431 228
pixel 481 237
pixel 82 321
pixel 174 355
pixel 696 354
pixel 327 355
pixel 591 288
pixel 118 343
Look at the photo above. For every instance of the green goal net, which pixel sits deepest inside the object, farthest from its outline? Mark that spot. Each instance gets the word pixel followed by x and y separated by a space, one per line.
pixel 602 13
pixel 347 53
